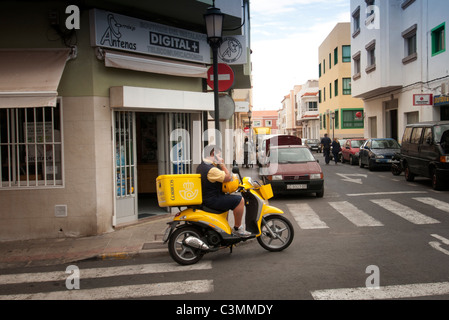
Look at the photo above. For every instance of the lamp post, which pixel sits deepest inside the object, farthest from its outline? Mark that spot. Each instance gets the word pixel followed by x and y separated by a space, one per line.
pixel 214 26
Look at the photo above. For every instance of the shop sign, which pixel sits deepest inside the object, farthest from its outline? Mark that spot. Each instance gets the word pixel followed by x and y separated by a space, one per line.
pixel 119 32
pixel 233 50
pixel 441 101
pixel 422 99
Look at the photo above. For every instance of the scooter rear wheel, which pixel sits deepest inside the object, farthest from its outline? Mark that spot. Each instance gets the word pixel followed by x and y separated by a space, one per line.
pixel 277 233
pixel 181 253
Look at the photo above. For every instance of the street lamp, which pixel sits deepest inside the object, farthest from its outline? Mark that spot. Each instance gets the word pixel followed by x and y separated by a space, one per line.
pixel 214 26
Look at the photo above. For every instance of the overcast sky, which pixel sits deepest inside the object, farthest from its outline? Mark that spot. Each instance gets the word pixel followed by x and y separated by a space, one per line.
pixel 285 37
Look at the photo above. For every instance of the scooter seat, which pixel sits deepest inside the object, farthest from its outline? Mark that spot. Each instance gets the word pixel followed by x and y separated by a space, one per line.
pixel 206 209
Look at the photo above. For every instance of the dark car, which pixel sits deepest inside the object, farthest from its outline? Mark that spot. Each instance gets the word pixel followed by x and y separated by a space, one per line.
pixel 350 151
pixel 293 169
pixel 378 153
pixel 425 152
pixel 313 145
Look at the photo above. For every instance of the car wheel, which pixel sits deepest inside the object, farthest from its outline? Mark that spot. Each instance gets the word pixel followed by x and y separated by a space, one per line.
pixel 351 160
pixel 320 194
pixel 437 184
pixel 409 176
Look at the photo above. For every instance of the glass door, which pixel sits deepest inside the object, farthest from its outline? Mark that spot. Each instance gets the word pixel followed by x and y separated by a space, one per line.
pixel 125 167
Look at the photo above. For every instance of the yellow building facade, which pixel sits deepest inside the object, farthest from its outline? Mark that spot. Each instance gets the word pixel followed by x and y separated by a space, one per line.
pixel 341 115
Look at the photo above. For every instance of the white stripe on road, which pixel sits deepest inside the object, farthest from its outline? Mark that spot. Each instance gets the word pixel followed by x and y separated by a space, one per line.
pixel 389 292
pixel 103 272
pixel 356 216
pixel 383 193
pixel 404 212
pixel 121 292
pixel 444 206
pixel 305 216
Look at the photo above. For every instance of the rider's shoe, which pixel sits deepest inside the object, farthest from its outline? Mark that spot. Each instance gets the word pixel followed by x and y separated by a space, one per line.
pixel 241 232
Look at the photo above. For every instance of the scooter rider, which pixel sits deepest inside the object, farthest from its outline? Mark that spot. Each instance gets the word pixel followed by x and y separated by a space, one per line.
pixel 213 174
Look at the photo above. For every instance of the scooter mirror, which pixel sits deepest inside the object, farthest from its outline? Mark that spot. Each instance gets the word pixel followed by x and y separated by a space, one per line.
pixel 236 170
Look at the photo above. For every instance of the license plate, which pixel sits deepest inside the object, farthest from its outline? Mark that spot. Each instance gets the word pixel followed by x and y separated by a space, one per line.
pixel 296 186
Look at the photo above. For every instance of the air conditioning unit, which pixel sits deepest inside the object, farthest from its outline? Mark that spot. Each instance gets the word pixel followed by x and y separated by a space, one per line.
pixel 445 88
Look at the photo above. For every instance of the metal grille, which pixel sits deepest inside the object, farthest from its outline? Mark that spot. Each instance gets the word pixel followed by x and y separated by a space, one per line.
pixel 30 147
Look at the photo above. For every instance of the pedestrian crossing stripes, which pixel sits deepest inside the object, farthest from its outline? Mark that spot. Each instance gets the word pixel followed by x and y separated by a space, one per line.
pixel 384 293
pixel 404 212
pixel 305 216
pixel 146 290
pixel 356 216
pixel 308 219
pixel 121 292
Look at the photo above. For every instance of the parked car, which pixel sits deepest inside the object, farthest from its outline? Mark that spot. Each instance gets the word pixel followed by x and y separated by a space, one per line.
pixel 378 153
pixel 293 169
pixel 314 145
pixel 274 140
pixel 425 152
pixel 350 151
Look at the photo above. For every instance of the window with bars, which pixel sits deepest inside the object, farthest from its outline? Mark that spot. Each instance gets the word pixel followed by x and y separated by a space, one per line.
pixel 31 147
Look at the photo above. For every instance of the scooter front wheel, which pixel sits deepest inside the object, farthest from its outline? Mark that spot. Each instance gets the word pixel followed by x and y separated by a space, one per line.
pixel 277 233
pixel 181 253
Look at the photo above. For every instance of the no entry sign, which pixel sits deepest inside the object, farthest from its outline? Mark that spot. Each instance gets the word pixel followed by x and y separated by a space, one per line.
pixel 225 77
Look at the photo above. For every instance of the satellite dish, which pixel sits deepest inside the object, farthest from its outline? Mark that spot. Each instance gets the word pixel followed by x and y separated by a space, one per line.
pixel 226 107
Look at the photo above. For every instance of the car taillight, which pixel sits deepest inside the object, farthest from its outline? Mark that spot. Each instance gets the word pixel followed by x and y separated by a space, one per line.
pixel 444 159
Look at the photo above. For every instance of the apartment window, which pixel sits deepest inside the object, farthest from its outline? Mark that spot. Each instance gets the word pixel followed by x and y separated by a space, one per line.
pixel 330 90
pixel 330 61
pixel 319 71
pixel 268 123
pixel 346 86
pixel 350 119
pixel 410 44
pixel 319 96
pixel 370 7
pixel 357 66
pixel 406 3
pixel 346 54
pixel 356 22
pixel 312 106
pixel 336 56
pixel 324 94
pixel 30 147
pixel 336 119
pixel 324 66
pixel 336 88
pixel 371 56
pixel 439 39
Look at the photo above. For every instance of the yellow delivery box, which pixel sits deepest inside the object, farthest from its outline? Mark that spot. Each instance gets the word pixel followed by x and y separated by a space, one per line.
pixel 179 190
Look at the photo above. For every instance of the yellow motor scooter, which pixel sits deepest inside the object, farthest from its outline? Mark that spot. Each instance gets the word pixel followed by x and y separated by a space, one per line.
pixel 197 230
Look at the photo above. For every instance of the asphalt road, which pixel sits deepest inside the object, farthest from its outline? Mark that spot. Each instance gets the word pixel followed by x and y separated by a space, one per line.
pixel 372 236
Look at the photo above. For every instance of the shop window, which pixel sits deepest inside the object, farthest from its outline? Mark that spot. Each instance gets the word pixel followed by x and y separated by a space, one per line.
pixel 31 147
pixel 439 39
pixel 350 119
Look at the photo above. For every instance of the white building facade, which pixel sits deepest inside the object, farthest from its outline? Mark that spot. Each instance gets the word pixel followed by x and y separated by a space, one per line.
pixel 400 63
pixel 307 115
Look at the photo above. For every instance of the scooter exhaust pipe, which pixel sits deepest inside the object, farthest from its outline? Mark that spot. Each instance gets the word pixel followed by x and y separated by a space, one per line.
pixel 196 243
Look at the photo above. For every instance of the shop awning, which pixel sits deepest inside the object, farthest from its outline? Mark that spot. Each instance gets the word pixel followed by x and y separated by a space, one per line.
pixel 154 65
pixel 30 77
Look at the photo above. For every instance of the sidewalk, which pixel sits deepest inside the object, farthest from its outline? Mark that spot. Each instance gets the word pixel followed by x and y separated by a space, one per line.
pixel 144 236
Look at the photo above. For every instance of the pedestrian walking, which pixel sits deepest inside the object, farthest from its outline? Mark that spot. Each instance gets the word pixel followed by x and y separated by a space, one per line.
pixel 336 148
pixel 326 146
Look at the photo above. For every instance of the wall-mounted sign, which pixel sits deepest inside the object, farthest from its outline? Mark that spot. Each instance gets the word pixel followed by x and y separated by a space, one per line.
pixel 422 99
pixel 233 50
pixel 115 31
pixel 441 101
